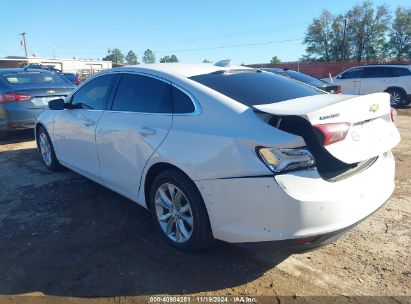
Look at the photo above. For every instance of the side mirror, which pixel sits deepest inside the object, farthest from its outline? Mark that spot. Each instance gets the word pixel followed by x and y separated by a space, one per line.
pixel 338 77
pixel 57 104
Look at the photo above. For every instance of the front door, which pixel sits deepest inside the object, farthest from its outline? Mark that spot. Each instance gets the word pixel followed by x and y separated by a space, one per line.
pixel 129 133
pixel 75 128
pixel 350 81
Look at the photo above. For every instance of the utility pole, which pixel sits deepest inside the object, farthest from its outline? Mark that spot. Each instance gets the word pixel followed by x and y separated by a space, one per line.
pixel 54 52
pixel 24 43
pixel 343 42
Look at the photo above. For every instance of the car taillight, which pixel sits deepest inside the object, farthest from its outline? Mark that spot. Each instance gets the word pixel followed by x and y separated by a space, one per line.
pixel 280 160
pixel 393 114
pixel 13 97
pixel 333 132
pixel 339 91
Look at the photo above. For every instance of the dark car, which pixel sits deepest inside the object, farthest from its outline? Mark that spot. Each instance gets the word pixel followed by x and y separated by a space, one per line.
pixel 322 85
pixel 24 93
pixel 72 77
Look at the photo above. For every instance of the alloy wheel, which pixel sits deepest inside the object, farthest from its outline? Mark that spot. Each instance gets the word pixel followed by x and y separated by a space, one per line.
pixel 174 213
pixel 395 98
pixel 45 148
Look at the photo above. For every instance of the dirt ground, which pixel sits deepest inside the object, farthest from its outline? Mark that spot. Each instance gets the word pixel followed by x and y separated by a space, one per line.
pixel 63 235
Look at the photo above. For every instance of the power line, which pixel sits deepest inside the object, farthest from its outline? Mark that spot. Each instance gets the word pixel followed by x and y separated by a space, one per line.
pixel 229 46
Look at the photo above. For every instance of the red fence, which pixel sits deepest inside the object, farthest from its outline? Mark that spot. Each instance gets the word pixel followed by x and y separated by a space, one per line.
pixel 320 69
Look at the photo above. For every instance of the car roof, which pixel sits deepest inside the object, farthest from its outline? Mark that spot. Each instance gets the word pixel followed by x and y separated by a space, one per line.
pixel 384 65
pixel 181 69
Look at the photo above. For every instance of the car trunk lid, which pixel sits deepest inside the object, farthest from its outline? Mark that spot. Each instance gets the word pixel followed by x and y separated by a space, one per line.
pixel 371 131
pixel 41 96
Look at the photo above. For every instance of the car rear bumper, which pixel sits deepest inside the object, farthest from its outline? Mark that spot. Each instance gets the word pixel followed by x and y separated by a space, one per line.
pixel 15 116
pixel 300 245
pixel 295 205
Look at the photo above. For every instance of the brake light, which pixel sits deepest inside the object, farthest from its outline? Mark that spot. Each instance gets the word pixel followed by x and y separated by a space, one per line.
pixel 12 97
pixel 77 80
pixel 339 91
pixel 333 132
pixel 393 114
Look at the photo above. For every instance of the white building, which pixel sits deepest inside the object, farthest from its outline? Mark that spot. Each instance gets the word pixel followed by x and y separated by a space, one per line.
pixel 80 66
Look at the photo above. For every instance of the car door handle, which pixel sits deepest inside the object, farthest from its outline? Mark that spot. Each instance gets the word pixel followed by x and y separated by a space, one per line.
pixel 145 131
pixel 89 122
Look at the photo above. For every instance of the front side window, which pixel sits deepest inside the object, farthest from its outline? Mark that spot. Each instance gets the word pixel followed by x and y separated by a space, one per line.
pixel 353 73
pixel 94 94
pixel 139 93
pixel 253 87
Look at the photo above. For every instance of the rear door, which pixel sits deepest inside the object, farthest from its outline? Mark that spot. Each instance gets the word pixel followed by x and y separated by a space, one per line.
pixel 375 79
pixel 129 133
pixel 75 128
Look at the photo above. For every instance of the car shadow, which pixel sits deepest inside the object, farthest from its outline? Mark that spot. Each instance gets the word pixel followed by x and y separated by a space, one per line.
pixel 64 235
pixel 17 137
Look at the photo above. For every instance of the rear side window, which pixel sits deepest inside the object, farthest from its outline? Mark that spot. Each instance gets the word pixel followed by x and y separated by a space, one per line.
pixel 255 88
pixel 398 72
pixel 182 103
pixel 138 93
pixel 94 94
pixel 378 72
pixel 24 78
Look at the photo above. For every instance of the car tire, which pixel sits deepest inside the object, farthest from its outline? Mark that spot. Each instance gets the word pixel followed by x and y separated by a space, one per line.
pixel 179 212
pixel 397 97
pixel 46 149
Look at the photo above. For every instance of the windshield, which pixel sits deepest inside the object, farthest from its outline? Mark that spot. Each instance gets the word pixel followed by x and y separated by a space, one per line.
pixel 24 78
pixel 255 87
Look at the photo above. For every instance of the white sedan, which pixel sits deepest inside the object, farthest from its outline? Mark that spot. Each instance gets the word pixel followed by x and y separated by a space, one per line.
pixel 225 152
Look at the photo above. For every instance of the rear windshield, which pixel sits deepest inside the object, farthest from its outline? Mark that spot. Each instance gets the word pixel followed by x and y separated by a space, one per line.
pixel 32 78
pixel 255 87
pixel 305 78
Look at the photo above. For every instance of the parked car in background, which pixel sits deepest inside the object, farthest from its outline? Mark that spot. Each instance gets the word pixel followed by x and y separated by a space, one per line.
pixel 366 79
pixel 24 93
pixel 72 77
pixel 320 84
pixel 226 152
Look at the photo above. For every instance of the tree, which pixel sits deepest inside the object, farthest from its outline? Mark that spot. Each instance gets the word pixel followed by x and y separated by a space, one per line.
pixel 324 38
pixel 367 30
pixel 319 36
pixel 149 56
pixel 114 55
pixel 275 60
pixel 400 34
pixel 206 61
pixel 172 58
pixel 131 58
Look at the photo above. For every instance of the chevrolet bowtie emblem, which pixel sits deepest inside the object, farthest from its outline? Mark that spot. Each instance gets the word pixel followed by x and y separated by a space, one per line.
pixel 51 91
pixel 374 108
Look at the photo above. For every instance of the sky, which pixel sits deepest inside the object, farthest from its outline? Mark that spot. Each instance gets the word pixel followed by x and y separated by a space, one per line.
pixel 243 31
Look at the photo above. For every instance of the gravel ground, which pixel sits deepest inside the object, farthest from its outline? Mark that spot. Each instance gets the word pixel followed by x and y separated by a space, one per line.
pixel 63 235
